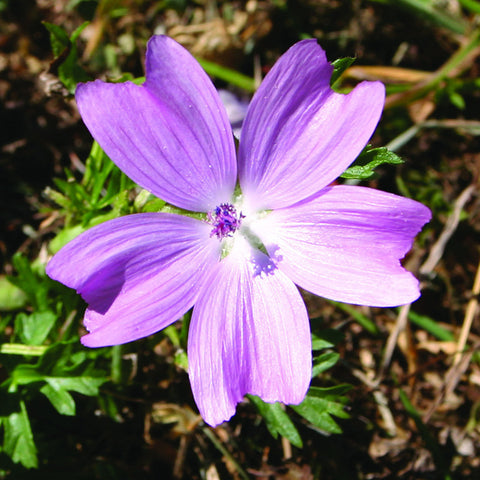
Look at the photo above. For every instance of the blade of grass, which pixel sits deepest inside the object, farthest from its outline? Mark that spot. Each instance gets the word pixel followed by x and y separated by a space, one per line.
pixel 364 321
pixel 431 326
pixel 427 10
pixel 228 75
pixel 472 5
pixel 452 67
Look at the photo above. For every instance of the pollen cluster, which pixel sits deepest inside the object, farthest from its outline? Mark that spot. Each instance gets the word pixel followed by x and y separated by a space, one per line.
pixel 225 220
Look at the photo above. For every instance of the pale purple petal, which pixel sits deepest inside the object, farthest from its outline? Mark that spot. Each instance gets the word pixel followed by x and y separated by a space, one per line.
pixel 236 110
pixel 299 135
pixel 347 243
pixel 170 135
pixel 138 273
pixel 249 334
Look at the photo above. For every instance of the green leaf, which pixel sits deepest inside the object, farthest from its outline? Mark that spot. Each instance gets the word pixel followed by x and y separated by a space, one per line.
pixel 326 338
pixel 24 374
pixel 370 159
pixel 69 233
pixel 339 66
pixel 320 404
pixel 55 359
pixel 277 420
pixel 34 285
pixel 324 362
pixel 59 40
pixel 11 296
pixel 58 197
pixel 314 410
pixel 432 11
pixel 473 5
pixel 457 100
pixel 431 326
pixel 18 441
pixel 335 392
pixel 65 236
pixel 363 320
pixel 85 385
pixel 60 399
pixel 33 329
pixel 228 75
pixel 66 57
pixel 108 405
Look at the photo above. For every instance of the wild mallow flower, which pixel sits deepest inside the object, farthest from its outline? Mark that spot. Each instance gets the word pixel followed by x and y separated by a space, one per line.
pixel 270 220
pixel 236 110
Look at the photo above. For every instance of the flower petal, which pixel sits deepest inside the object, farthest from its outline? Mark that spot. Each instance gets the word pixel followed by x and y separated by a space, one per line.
pixel 236 110
pixel 299 135
pixel 138 273
pixel 170 135
pixel 347 243
pixel 249 334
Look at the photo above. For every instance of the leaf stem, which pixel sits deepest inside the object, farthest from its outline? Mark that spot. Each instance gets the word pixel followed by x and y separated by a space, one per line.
pixel 21 349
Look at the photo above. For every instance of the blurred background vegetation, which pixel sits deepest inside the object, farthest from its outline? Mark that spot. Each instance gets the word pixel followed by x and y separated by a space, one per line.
pixel 396 391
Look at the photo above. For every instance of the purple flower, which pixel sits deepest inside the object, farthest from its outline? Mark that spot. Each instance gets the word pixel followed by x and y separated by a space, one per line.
pixel 283 225
pixel 236 110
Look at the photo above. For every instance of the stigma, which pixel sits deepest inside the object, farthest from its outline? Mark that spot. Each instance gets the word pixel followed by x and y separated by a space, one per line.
pixel 225 220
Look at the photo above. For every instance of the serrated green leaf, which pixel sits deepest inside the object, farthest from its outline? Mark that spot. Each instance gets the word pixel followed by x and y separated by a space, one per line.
pixel 24 374
pixel 85 385
pixel 368 161
pixel 62 401
pixel 33 329
pixel 320 404
pixel 315 410
pixel 320 343
pixel 321 420
pixel 326 338
pixel 18 441
pixel 59 40
pixel 333 392
pixel 76 33
pixel 55 359
pixel 66 57
pixel 324 362
pixel 277 420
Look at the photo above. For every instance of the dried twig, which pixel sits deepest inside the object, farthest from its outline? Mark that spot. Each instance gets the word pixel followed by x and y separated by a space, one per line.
pixel 468 319
pixel 462 357
pixel 451 225
pixel 400 325
pixel 426 269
